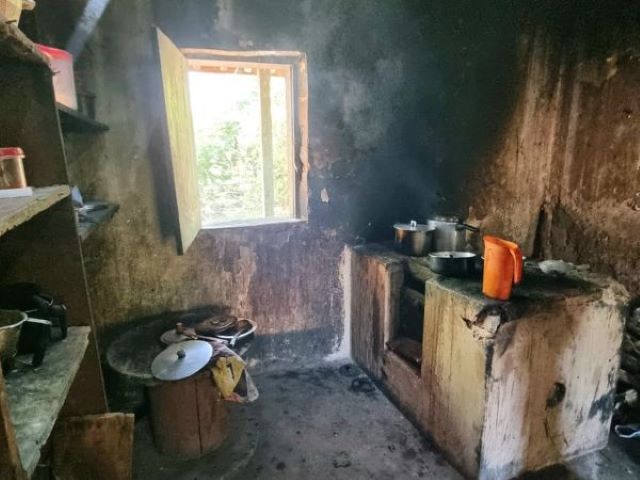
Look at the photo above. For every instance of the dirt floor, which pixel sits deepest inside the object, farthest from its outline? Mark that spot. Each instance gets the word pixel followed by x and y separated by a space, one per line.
pixel 312 424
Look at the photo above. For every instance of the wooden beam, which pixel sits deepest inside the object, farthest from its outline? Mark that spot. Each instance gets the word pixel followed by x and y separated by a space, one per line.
pixel 291 201
pixel 235 66
pixel 267 142
pixel 10 464
pixel 97 447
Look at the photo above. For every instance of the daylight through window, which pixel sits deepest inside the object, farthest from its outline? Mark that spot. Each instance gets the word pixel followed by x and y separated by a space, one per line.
pixel 242 118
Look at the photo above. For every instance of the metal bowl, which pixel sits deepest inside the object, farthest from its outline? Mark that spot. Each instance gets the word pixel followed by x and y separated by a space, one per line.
pixel 452 264
pixel 10 325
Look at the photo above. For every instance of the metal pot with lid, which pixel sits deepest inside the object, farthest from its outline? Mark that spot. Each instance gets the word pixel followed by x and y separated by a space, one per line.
pixel 450 234
pixel 413 238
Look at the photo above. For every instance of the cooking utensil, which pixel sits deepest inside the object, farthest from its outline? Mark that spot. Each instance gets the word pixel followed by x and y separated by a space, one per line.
pixel 452 264
pixel 450 234
pixel 29 298
pixel 35 337
pixel 10 325
pixel 214 325
pixel 171 336
pixel 12 168
pixel 241 330
pixel 413 239
pixel 181 334
pixel 503 267
pixel 181 360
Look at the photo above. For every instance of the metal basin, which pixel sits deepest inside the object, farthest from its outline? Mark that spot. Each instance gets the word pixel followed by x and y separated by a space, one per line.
pixel 10 324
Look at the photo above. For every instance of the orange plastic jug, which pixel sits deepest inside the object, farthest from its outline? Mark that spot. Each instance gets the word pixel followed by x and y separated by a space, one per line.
pixel 502 267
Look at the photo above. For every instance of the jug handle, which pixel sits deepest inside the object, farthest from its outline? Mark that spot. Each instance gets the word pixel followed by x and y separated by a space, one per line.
pixel 516 253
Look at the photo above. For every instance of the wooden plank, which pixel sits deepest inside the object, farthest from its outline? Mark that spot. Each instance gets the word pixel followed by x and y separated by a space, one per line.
pixel 15 211
pixel 256 55
pixel 453 371
pixel 237 67
pixel 300 95
pixel 290 150
pixel 266 135
pixel 404 383
pixel 180 134
pixel 96 447
pixel 35 397
pixel 73 121
pixel 10 464
pixel 375 292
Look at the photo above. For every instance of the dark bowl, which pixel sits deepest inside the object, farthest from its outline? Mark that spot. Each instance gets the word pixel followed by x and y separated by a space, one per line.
pixel 452 264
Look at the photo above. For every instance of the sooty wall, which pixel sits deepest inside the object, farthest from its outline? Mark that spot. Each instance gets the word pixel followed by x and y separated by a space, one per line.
pixel 563 179
pixel 404 97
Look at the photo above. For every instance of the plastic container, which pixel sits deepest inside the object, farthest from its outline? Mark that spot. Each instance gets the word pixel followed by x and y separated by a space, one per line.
pixel 64 84
pixel 12 168
pixel 502 267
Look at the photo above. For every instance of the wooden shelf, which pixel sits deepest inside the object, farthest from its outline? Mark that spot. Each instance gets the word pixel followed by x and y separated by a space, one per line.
pixel 15 211
pixel 94 219
pixel 74 121
pixel 15 45
pixel 37 396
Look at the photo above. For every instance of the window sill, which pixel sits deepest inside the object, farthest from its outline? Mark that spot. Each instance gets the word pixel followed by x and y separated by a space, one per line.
pixel 260 223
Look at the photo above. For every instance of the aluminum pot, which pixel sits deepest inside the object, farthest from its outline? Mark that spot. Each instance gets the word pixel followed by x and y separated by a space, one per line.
pixel 10 324
pixel 450 233
pixel 413 239
pixel 452 264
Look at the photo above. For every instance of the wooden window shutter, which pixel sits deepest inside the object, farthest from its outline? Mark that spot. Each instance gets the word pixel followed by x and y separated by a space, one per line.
pixel 181 139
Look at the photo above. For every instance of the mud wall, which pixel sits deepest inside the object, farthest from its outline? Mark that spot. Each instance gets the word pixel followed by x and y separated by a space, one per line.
pixel 525 117
pixel 563 179
pixel 400 97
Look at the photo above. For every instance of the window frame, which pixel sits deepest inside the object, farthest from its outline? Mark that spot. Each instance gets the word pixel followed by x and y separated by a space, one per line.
pixel 295 62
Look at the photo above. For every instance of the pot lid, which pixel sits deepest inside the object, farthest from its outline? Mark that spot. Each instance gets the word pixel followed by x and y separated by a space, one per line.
pixel 181 360
pixel 171 336
pixel 214 325
pixel 412 226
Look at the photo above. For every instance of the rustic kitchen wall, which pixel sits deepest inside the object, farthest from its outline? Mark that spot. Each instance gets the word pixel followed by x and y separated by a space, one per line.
pixel 404 96
pixel 564 178
pixel 523 115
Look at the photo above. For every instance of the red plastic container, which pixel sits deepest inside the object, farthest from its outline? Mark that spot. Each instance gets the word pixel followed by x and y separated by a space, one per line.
pixel 64 84
pixel 11 168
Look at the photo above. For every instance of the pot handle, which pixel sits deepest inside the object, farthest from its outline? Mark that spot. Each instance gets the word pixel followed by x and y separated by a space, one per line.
pixel 466 226
pixel 516 253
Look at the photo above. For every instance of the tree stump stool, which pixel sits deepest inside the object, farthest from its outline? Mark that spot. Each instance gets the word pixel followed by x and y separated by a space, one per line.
pixel 189 418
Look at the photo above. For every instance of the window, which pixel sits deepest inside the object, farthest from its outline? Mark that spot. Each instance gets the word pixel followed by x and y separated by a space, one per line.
pixel 236 124
pixel 242 119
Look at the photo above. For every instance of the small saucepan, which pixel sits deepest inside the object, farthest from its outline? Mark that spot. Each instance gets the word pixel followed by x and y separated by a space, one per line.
pixel 452 264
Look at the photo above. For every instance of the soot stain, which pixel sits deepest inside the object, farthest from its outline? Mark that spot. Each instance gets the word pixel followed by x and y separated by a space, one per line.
pixel 602 407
